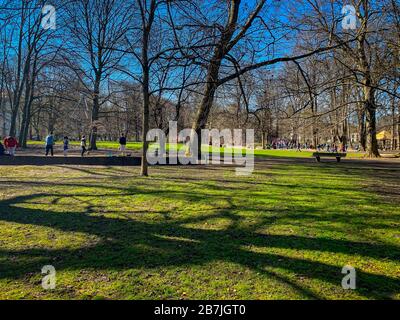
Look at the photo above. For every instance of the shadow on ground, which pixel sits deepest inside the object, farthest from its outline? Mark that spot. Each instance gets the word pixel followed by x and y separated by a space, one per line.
pixel 128 243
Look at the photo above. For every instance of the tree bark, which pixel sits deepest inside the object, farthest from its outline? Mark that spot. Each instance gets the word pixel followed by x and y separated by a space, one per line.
pixel 95 112
pixel 398 126
pixel 207 102
pixel 29 95
pixel 25 117
pixel 362 132
pixel 2 97
pixel 146 30
pixel 263 134
pixel 394 124
pixel 146 116
pixel 222 48
pixel 367 85
pixel 18 82
pixel 370 121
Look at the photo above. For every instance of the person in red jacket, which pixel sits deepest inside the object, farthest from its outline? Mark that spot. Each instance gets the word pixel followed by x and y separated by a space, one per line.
pixel 10 143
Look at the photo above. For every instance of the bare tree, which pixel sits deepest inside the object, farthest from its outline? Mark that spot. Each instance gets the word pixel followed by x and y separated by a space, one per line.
pixel 96 27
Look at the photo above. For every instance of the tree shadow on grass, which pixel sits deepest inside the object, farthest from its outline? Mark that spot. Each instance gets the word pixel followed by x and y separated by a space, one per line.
pixel 128 243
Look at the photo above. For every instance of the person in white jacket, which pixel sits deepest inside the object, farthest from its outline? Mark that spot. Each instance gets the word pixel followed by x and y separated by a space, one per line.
pixel 83 146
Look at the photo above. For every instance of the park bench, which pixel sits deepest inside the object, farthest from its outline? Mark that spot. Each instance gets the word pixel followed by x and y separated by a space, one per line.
pixel 337 155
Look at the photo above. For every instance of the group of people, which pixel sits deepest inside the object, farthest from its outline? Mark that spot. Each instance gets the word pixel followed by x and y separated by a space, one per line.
pixel 50 142
pixel 328 147
pixel 283 144
pixel 10 144
pixel 332 147
pixel 8 147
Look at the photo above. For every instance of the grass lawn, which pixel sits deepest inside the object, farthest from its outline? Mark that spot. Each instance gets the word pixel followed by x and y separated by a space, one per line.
pixel 100 144
pixel 201 233
pixel 297 154
pixel 136 146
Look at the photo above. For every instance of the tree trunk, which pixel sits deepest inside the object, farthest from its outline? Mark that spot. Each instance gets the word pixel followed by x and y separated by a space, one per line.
pixel 394 125
pixel 25 120
pixel 18 83
pixel 52 119
pixel 146 116
pixel 207 101
pixel 3 114
pixel 221 50
pixel 370 120
pixel 362 132
pixel 95 113
pixel 26 123
pixel 263 135
pixel 2 102
pixel 398 127
pixel 146 91
pixel 4 129
pixel 26 117
pixel 13 122
pixel 315 139
pixel 369 105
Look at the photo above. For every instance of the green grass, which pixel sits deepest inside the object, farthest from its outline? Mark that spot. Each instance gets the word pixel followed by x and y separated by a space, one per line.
pixel 100 144
pixel 297 154
pixel 200 233
pixel 136 146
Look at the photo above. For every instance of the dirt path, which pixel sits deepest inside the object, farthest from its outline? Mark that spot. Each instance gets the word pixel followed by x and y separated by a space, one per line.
pixel 38 151
pixel 35 155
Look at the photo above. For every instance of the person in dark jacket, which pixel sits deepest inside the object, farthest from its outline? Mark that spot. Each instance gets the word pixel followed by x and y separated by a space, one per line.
pixel 66 146
pixel 122 144
pixel 2 149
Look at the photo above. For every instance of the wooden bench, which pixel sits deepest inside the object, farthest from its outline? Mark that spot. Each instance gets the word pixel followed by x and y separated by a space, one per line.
pixel 337 155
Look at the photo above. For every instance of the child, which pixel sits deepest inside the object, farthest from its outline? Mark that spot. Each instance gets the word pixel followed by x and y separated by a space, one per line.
pixel 83 146
pixel 66 146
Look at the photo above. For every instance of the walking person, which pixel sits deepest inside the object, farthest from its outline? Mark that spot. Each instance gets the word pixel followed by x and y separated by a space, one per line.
pixel 50 144
pixel 122 144
pixel 11 144
pixel 83 146
pixel 66 146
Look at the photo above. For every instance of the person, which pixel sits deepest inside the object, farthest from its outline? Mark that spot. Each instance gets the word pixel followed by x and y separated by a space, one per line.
pixel 66 146
pixel 83 146
pixel 50 144
pixel 2 149
pixel 11 145
pixel 122 144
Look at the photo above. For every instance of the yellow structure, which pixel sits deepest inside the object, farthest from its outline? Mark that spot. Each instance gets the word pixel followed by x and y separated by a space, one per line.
pixel 384 135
